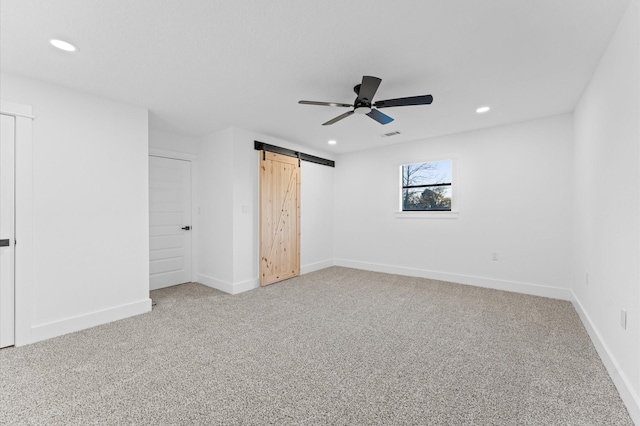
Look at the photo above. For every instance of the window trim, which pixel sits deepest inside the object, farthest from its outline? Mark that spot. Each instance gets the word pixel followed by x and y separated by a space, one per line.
pixel 431 214
pixel 427 214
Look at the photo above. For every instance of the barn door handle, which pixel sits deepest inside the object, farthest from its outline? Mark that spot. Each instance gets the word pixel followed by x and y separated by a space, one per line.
pixel 186 228
pixel 4 243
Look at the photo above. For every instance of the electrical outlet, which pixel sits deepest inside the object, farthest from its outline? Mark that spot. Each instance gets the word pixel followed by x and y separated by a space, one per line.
pixel 586 278
pixel 494 255
pixel 623 319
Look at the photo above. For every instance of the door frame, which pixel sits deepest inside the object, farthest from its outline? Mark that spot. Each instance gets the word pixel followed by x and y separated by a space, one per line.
pixel 23 271
pixel 7 230
pixel 192 158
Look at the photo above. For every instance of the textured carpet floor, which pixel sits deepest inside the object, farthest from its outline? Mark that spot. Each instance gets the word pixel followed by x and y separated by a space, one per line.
pixel 337 346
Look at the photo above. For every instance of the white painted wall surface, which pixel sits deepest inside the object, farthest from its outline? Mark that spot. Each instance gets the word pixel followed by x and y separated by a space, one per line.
pixel 607 202
pixel 513 185
pixel 229 196
pixel 215 215
pixel 316 212
pixel 173 142
pixel 90 207
pixel 246 226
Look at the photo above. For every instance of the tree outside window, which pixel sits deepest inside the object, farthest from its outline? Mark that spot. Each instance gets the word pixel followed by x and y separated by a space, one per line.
pixel 426 186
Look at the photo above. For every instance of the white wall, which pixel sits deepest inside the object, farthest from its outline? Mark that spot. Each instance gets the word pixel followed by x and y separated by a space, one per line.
pixel 513 188
pixel 316 215
pixel 90 208
pixel 215 213
pixel 172 142
pixel 607 204
pixel 229 181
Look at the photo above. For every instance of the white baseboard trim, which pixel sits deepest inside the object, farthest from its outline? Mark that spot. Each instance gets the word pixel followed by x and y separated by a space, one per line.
pixel 226 286
pixel 496 284
pixel 92 319
pixel 312 267
pixel 242 286
pixel 620 380
pixel 221 285
pixel 246 285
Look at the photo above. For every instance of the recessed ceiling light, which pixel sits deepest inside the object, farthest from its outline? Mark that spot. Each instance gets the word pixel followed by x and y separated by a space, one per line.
pixel 332 142
pixel 63 45
pixel 482 109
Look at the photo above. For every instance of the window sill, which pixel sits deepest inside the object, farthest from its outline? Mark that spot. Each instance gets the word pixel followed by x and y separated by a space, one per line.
pixel 426 215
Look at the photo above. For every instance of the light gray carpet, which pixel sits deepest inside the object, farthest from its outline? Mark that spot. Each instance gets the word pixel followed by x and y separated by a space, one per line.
pixel 337 346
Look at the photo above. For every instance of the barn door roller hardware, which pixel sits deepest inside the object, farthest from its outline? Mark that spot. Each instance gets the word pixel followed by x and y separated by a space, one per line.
pixel 261 146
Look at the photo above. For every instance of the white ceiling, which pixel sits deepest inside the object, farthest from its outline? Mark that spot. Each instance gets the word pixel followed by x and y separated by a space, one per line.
pixel 205 65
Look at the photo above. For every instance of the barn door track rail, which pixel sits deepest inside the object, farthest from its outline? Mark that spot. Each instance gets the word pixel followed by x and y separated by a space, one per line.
pixel 261 146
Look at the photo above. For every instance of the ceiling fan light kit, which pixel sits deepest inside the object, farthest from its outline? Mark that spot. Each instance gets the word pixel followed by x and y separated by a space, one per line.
pixel 364 104
pixel 363 109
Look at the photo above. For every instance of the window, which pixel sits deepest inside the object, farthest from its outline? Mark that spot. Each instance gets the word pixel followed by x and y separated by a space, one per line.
pixel 426 186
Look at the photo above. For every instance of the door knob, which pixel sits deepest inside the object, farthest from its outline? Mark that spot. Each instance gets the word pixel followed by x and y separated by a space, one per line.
pixel 4 243
pixel 186 228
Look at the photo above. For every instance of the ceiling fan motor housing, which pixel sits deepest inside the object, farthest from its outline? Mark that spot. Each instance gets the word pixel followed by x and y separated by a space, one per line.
pixel 361 106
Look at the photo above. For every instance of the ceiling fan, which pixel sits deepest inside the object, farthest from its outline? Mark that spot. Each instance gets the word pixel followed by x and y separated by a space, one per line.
pixel 364 105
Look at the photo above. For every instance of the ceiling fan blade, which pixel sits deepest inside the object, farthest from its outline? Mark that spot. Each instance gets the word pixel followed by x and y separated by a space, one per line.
pixel 338 118
pixel 368 88
pixel 412 100
pixel 380 117
pixel 332 104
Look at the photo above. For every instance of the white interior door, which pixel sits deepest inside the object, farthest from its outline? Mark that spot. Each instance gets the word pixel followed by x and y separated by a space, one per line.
pixel 169 222
pixel 7 225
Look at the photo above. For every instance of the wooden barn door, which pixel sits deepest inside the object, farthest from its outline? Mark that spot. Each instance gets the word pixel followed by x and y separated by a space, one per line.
pixel 279 217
